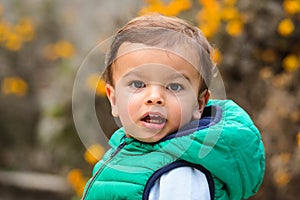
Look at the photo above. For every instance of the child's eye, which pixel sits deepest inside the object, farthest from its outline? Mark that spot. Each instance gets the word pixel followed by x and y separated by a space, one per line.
pixel 174 87
pixel 137 84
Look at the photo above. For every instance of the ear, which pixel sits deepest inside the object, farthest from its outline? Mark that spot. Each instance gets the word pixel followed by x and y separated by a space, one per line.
pixel 202 101
pixel 110 93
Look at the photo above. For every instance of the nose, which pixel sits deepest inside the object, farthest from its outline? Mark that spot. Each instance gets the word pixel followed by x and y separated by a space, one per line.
pixel 155 95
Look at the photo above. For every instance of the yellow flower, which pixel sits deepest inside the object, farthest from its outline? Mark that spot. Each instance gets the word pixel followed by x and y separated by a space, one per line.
pixel 100 89
pixel 13 42
pixel 208 21
pixel 12 37
pixel 217 56
pixel 230 13
pixel 74 175
pixel 179 5
pixel 64 49
pixel 155 6
pixel 214 12
pixel 14 86
pixel 208 3
pixel 172 8
pixel 61 49
pixel 25 29
pixel 209 18
pixel 93 154
pixel 94 82
pixel 77 181
pixel 234 27
pixel 291 6
pixel 291 63
pixel 285 27
pixel 209 29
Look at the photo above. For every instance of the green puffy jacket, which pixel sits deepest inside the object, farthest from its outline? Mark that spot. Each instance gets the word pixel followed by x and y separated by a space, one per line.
pixel 225 142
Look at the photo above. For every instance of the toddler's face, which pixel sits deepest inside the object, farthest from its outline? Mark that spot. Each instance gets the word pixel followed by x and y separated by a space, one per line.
pixel 155 93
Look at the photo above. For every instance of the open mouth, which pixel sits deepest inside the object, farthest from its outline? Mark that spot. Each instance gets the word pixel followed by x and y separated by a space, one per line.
pixel 154 121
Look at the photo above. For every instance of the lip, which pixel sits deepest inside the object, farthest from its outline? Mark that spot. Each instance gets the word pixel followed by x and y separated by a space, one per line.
pixel 153 114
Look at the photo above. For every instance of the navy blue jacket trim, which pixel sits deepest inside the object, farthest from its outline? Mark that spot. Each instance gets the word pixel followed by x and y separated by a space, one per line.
pixel 211 115
pixel 174 165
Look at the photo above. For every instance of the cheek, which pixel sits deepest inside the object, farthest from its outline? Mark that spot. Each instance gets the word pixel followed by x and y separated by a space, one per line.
pixel 122 102
pixel 183 108
pixel 175 110
pixel 128 104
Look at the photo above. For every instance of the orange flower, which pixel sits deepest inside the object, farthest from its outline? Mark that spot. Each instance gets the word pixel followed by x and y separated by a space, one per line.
pixel 94 82
pixel 172 8
pixel 12 37
pixel 234 27
pixel 208 3
pixel 217 56
pixel 77 181
pixel 298 139
pixel 25 29
pixel 64 49
pixel 61 49
pixel 14 86
pixel 93 154
pixel 291 63
pixel 13 42
pixel 208 19
pixel 230 13
pixel 291 6
pixel 74 175
pixel 177 6
pixel 214 12
pixel 285 27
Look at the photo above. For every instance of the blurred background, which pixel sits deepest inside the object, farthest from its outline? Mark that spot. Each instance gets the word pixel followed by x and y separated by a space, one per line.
pixel 44 42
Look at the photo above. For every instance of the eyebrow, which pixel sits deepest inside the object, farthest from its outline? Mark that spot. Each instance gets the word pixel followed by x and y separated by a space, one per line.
pixel 179 75
pixel 141 75
pixel 135 73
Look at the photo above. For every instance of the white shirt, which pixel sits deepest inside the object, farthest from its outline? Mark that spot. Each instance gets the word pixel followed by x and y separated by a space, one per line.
pixel 181 183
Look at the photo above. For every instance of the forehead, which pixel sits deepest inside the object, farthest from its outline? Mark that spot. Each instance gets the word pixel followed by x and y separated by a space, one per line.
pixel 132 56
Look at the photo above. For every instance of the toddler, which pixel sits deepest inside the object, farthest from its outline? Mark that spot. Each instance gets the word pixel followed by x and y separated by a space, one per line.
pixel 175 142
